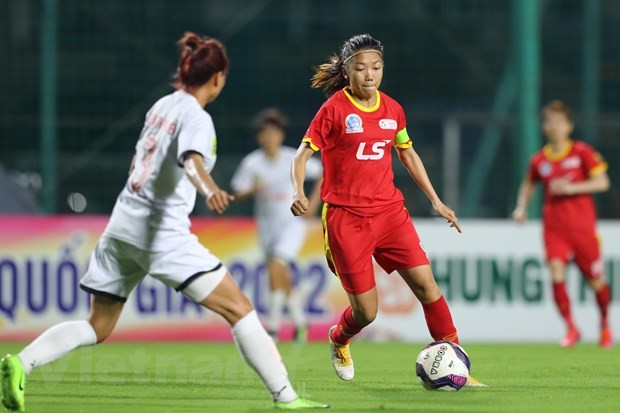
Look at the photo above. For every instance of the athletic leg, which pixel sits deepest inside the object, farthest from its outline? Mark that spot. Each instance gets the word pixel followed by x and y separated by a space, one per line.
pixel 436 311
pixel 588 259
pixel 562 302
pixel 361 312
pixel 54 343
pixel 254 344
pixel 280 287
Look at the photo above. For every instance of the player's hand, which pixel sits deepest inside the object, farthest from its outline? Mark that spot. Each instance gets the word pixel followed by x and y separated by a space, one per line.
pixel 561 186
pixel 300 205
pixel 519 215
pixel 218 200
pixel 447 213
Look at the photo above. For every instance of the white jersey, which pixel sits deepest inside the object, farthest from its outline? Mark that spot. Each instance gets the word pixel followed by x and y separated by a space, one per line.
pixel 153 209
pixel 273 202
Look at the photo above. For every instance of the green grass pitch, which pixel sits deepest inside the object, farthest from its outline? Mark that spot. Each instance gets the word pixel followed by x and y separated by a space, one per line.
pixel 208 377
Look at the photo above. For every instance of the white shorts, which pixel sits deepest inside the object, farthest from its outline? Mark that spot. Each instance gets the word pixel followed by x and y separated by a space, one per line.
pixel 116 267
pixel 283 239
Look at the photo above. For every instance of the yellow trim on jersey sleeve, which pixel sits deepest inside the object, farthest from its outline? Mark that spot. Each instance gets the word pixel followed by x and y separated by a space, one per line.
pixel 309 142
pixel 598 169
pixel 328 250
pixel 402 140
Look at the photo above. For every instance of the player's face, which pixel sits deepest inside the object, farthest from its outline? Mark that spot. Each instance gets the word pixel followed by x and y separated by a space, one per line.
pixel 270 138
pixel 556 126
pixel 365 72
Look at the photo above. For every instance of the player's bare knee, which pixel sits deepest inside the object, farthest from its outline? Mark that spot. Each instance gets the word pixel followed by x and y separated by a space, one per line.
pixel 241 307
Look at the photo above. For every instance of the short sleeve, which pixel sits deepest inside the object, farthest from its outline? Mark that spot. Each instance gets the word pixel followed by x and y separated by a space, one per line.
pixel 592 160
pixel 314 169
pixel 320 127
pixel 532 171
pixel 197 134
pixel 243 179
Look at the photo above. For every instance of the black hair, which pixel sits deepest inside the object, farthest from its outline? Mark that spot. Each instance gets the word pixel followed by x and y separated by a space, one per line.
pixel 330 76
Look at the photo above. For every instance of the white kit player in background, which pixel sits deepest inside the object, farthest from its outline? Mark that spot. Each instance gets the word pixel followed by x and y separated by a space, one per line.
pixel 265 174
pixel 149 234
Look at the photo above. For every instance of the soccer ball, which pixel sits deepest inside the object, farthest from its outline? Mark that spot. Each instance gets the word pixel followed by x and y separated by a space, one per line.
pixel 442 365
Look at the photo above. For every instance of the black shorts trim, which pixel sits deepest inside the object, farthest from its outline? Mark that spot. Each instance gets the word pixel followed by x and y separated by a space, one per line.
pixel 198 274
pixel 103 294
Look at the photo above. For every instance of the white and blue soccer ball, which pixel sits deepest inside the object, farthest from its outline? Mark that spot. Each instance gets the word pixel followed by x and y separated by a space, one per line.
pixel 442 365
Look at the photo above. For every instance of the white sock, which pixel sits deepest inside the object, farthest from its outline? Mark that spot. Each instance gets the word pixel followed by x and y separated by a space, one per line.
pixel 260 352
pixel 295 304
pixel 56 342
pixel 277 301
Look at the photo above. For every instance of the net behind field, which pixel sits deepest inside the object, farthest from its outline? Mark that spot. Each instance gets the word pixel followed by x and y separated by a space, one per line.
pixel 445 61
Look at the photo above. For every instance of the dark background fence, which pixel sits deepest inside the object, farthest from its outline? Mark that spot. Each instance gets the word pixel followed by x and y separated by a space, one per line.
pixel 77 77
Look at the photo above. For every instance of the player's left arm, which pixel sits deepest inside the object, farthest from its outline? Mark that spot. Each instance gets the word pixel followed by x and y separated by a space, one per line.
pixel 413 163
pixel 598 180
pixel 216 198
pixel 595 183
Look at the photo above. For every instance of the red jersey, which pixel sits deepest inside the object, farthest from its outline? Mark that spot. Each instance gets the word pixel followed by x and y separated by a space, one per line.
pixel 577 163
pixel 356 151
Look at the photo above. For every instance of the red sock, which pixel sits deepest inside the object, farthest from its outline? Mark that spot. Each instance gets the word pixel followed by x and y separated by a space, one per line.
pixel 603 297
pixel 439 321
pixel 347 328
pixel 563 303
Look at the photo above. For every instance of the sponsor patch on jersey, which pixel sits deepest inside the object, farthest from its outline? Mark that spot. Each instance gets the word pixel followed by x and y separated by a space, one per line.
pixel 571 162
pixel 353 123
pixel 544 169
pixel 388 124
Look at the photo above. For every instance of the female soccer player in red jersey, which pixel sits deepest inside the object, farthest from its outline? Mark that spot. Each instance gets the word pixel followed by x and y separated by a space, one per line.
pixel 149 234
pixel 570 171
pixel 364 214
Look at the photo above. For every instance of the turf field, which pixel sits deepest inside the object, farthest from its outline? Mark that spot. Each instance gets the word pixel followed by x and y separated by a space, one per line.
pixel 174 377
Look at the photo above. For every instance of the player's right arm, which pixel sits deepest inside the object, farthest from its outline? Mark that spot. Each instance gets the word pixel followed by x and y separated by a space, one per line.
pixel 301 204
pixel 217 199
pixel 526 190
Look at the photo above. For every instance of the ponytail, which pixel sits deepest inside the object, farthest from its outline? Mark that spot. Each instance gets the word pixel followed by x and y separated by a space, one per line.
pixel 201 57
pixel 330 76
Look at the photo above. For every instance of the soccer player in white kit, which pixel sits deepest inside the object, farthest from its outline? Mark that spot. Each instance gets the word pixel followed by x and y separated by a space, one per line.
pixel 149 234
pixel 265 174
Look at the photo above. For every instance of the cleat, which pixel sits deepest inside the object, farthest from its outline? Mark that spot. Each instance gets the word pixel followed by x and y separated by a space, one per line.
pixel 571 338
pixel 471 382
pixel 13 382
pixel 607 340
pixel 341 358
pixel 299 404
pixel 301 334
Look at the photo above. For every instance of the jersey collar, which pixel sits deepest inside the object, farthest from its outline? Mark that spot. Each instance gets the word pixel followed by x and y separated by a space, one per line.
pixel 347 93
pixel 551 156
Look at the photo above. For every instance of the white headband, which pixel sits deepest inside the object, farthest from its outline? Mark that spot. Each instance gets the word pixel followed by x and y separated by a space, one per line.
pixel 359 52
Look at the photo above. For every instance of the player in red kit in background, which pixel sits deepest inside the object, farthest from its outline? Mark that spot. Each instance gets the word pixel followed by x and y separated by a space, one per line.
pixel 570 171
pixel 364 215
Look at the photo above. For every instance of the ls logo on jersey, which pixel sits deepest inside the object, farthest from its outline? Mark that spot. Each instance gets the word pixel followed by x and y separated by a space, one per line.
pixel 353 124
pixel 387 124
pixel 377 151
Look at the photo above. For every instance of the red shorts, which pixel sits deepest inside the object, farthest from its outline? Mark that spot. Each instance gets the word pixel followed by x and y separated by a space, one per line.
pixel 352 241
pixel 581 245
